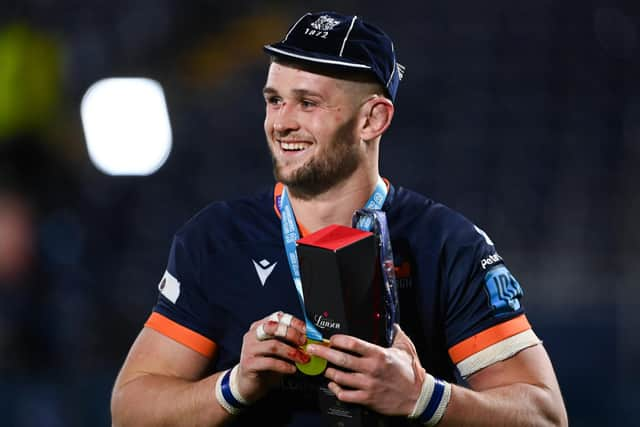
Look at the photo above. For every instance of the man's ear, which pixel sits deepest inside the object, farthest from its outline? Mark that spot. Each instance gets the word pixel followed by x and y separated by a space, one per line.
pixel 378 112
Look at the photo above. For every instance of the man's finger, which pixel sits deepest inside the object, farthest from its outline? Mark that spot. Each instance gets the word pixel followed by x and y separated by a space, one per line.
pixel 270 364
pixel 279 349
pixel 336 357
pixel 352 380
pixel 403 342
pixel 288 320
pixel 281 330
pixel 346 395
pixel 352 345
pixel 261 334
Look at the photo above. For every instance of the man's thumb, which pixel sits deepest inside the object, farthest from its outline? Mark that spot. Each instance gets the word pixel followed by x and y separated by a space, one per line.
pixel 403 342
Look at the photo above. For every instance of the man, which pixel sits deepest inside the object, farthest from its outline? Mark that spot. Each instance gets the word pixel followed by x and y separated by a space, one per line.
pixel 228 328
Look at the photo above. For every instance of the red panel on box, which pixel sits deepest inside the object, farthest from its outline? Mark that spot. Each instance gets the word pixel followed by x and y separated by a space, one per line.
pixel 334 237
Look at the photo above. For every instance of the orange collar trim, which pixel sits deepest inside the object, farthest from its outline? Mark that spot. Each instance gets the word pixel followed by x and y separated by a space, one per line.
pixel 277 193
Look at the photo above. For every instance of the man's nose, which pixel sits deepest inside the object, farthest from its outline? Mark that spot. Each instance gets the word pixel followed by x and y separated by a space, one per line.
pixel 285 119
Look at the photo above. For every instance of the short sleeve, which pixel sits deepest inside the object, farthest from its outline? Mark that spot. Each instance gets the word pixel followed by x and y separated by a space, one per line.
pixel 181 312
pixel 485 318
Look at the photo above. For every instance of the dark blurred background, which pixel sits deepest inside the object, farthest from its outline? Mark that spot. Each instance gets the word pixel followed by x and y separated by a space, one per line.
pixel 525 116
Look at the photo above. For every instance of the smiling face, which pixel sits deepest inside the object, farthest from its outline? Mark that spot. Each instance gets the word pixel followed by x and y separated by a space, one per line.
pixel 312 127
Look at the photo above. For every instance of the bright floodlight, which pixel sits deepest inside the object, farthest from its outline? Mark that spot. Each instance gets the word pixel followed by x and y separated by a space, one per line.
pixel 126 126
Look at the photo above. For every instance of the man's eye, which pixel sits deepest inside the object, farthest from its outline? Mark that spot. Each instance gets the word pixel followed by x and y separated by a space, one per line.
pixel 307 104
pixel 273 100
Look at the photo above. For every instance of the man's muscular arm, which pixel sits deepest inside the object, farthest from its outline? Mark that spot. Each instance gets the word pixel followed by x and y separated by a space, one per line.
pixel 164 383
pixel 519 391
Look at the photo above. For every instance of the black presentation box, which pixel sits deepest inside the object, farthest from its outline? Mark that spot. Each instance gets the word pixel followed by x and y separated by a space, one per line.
pixel 341 281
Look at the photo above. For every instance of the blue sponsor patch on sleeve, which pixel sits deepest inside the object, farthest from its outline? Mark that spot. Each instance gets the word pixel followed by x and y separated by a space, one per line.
pixel 503 289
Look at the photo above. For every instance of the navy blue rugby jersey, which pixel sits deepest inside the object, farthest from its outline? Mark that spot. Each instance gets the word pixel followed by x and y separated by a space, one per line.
pixel 227 268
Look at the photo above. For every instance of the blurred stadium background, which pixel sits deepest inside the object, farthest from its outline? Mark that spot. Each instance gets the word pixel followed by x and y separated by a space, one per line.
pixel 525 116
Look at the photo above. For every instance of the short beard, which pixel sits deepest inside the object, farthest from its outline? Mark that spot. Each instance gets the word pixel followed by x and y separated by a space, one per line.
pixel 339 161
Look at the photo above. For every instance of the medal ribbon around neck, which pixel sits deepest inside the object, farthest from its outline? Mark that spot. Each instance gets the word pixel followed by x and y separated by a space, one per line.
pixel 290 234
pixel 390 296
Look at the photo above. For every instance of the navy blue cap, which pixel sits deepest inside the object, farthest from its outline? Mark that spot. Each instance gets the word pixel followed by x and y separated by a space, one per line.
pixel 343 41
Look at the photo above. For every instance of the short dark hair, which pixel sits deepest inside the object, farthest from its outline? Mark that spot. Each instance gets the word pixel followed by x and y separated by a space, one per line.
pixel 349 74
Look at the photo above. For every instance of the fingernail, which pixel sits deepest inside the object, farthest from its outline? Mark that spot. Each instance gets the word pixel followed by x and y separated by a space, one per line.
pixel 311 348
pixel 303 357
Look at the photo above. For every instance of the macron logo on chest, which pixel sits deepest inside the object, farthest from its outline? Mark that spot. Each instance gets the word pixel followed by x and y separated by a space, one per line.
pixel 264 269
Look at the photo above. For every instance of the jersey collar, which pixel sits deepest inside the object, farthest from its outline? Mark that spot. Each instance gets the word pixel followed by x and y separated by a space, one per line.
pixel 277 194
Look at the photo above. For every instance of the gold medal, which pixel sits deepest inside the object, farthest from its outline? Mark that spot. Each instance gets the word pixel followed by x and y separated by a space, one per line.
pixel 316 365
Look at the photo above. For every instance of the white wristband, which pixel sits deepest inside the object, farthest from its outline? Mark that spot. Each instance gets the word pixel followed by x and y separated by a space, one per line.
pixel 432 402
pixel 425 394
pixel 227 392
pixel 233 385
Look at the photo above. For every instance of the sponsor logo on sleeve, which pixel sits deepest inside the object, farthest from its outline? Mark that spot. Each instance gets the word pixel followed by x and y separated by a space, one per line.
pixel 490 260
pixel 503 290
pixel 169 286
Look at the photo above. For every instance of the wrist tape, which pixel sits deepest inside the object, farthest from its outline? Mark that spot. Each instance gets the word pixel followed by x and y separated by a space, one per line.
pixel 432 402
pixel 227 392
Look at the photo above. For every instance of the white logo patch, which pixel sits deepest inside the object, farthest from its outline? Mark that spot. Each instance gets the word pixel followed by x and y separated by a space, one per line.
pixel 324 23
pixel 483 234
pixel 490 260
pixel 264 269
pixel 401 70
pixel 169 286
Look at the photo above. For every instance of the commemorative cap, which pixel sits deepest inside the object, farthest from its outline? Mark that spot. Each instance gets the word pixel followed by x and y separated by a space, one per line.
pixel 341 41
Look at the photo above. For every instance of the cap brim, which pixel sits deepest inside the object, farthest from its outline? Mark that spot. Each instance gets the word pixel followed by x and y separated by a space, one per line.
pixel 278 49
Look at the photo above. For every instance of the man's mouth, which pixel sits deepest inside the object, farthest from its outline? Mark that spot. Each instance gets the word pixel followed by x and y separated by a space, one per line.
pixel 289 146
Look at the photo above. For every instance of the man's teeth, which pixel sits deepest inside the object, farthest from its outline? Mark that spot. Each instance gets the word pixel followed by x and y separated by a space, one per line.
pixel 293 146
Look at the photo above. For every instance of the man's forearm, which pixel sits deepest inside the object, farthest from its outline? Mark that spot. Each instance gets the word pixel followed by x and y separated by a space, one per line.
pixel 515 405
pixel 155 400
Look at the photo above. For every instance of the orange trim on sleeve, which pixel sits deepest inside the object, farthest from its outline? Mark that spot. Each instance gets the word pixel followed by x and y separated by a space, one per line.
pixel 488 337
pixel 179 333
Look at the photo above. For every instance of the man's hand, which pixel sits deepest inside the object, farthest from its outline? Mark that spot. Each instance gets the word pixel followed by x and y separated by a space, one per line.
pixel 386 380
pixel 270 349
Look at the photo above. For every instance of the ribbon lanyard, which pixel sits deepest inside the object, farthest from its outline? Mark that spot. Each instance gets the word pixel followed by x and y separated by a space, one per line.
pixel 290 234
pixel 391 303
